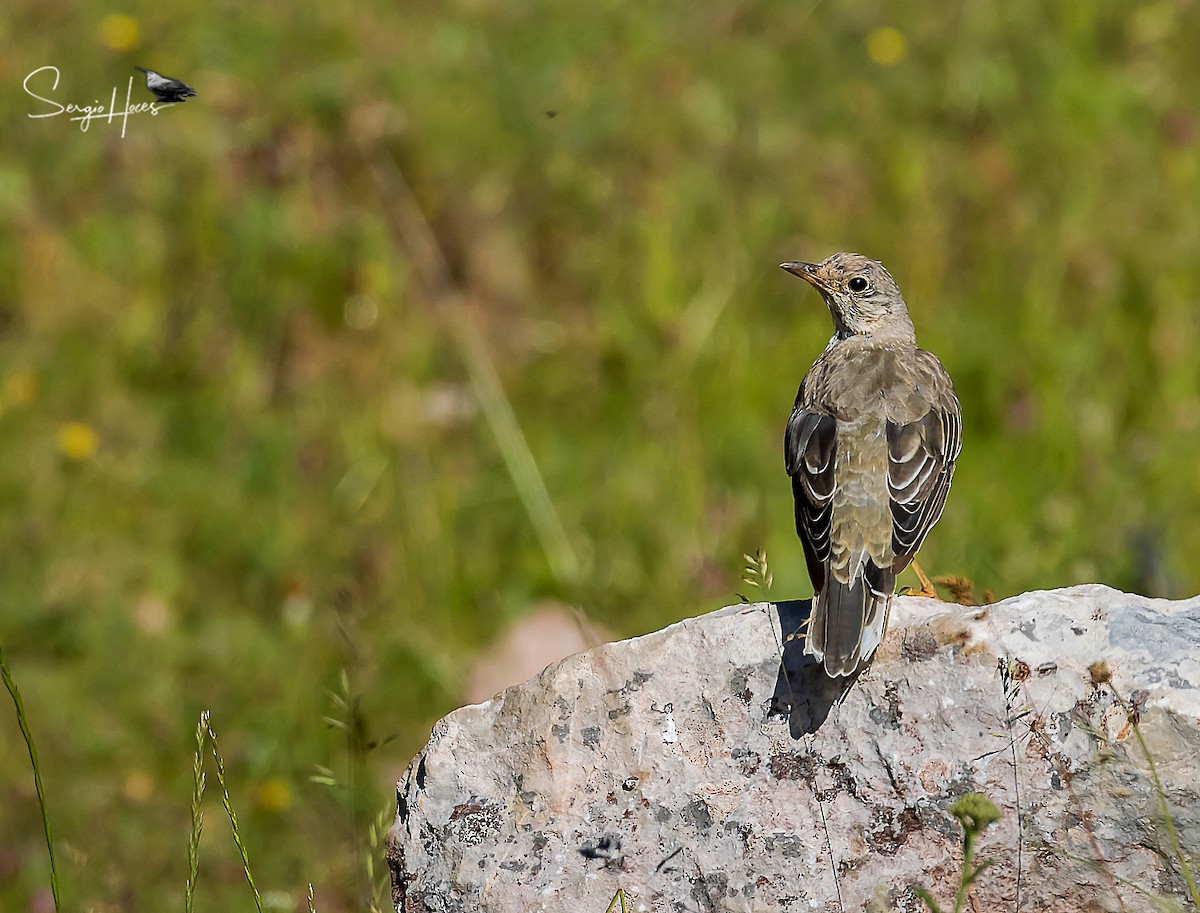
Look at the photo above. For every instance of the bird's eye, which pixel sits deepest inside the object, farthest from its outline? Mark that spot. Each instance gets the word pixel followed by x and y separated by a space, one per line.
pixel 858 284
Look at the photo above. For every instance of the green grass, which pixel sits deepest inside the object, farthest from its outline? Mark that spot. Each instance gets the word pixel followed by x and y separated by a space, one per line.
pixel 306 460
pixel 14 692
pixel 974 812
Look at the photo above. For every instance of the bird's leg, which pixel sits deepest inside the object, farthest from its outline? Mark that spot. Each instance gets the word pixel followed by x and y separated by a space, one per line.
pixel 928 590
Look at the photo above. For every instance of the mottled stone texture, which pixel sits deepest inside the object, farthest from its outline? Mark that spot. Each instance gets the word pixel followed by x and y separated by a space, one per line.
pixel 705 768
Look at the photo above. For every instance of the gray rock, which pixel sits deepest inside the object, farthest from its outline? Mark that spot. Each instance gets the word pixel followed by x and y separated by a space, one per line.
pixel 706 767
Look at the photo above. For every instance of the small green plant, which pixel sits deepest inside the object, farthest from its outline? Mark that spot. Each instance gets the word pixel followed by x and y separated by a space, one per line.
pixel 617 900
pixel 23 722
pixel 348 718
pixel 975 812
pixel 206 735
pixel 378 877
pixel 757 573
pixel 198 780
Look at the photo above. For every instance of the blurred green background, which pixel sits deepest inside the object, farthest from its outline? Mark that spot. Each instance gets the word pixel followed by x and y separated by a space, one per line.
pixel 250 441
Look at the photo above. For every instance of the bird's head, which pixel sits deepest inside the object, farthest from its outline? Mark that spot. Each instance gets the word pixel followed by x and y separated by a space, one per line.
pixel 861 294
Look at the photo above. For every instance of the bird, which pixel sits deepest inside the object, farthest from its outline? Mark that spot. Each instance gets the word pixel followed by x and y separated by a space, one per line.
pixel 870 448
pixel 165 88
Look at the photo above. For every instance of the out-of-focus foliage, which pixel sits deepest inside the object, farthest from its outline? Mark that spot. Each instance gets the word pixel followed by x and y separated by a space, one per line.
pixel 242 448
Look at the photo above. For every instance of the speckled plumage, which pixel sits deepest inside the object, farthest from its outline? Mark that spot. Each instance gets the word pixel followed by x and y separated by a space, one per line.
pixel 870 448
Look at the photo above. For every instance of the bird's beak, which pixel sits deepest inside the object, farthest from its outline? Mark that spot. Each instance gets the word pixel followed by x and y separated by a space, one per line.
pixel 806 271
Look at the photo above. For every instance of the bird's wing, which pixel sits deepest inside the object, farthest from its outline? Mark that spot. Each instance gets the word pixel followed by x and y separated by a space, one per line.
pixel 809 448
pixel 921 455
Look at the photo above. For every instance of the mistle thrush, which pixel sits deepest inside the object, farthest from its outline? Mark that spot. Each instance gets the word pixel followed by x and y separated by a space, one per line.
pixel 870 449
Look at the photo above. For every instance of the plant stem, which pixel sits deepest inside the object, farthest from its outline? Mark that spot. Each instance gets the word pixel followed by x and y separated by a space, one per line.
pixel 23 722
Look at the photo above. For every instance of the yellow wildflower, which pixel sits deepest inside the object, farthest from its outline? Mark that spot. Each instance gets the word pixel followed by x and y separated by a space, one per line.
pixel 887 46
pixel 274 795
pixel 78 441
pixel 119 32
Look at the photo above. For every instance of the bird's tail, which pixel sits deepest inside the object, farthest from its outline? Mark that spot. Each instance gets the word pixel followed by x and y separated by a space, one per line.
pixel 848 621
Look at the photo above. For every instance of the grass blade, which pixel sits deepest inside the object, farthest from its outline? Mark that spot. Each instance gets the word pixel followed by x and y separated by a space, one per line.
pixel 23 722
pixel 197 815
pixel 418 238
pixel 225 800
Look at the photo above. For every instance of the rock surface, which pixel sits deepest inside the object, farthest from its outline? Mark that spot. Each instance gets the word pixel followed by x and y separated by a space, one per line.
pixel 705 768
